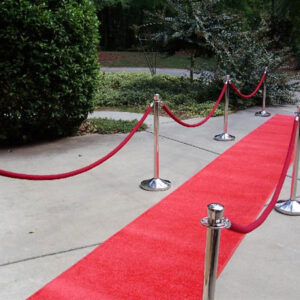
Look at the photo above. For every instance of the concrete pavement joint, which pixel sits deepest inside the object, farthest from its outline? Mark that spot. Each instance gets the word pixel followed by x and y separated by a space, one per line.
pixel 49 254
pixel 187 144
pixel 289 176
pixel 197 147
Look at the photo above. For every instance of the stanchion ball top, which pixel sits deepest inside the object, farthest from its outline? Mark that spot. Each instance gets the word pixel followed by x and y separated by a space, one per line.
pixel 156 97
pixel 215 207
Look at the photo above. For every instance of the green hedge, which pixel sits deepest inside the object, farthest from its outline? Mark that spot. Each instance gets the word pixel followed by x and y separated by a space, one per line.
pixel 49 67
pixel 136 91
pixel 108 126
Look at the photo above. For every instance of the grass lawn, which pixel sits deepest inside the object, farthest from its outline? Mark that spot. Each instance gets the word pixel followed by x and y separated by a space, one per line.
pixel 137 59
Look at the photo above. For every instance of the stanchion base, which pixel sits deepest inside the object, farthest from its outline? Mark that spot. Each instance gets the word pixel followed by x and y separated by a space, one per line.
pixel 262 113
pixel 155 184
pixel 288 207
pixel 224 137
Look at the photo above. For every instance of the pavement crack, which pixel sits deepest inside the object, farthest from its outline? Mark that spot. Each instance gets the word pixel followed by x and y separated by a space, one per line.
pixel 184 143
pixel 48 254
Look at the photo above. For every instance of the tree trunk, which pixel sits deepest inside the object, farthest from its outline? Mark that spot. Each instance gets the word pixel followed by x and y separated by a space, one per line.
pixel 192 66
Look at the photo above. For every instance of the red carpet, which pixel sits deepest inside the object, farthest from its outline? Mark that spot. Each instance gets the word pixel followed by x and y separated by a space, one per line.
pixel 160 255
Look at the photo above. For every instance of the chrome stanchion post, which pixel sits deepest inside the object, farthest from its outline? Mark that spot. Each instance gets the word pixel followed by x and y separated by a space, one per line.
pixel 263 112
pixel 156 183
pixel 225 136
pixel 214 222
pixel 292 206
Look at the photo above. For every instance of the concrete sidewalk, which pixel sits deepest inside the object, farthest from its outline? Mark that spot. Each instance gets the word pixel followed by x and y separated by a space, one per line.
pixel 48 226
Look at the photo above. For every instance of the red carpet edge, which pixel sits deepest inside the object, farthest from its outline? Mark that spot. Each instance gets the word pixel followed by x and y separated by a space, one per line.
pixel 160 255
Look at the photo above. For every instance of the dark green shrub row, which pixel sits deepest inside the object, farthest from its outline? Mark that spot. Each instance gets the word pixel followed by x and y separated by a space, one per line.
pixel 136 90
pixel 49 69
pixel 108 126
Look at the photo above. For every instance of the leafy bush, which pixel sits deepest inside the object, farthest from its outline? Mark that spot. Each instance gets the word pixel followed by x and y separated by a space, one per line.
pixel 240 51
pixel 244 55
pixel 108 126
pixel 136 90
pixel 49 69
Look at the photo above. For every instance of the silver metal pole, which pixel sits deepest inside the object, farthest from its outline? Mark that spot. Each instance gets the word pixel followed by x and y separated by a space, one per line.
pixel 263 112
pixel 214 222
pixel 156 183
pixel 225 136
pixel 296 161
pixel 226 106
pixel 292 206
pixel 156 134
pixel 264 96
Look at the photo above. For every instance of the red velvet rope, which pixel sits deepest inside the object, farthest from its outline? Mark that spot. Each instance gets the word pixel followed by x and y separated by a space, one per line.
pixel 253 93
pixel 168 111
pixel 84 169
pixel 252 226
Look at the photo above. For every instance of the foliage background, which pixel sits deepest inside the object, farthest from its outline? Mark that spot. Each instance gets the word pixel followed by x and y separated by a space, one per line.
pixel 283 17
pixel 206 27
pixel 49 69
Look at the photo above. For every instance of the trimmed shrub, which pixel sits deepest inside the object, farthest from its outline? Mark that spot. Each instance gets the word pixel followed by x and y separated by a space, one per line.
pixel 49 67
pixel 136 91
pixel 108 126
